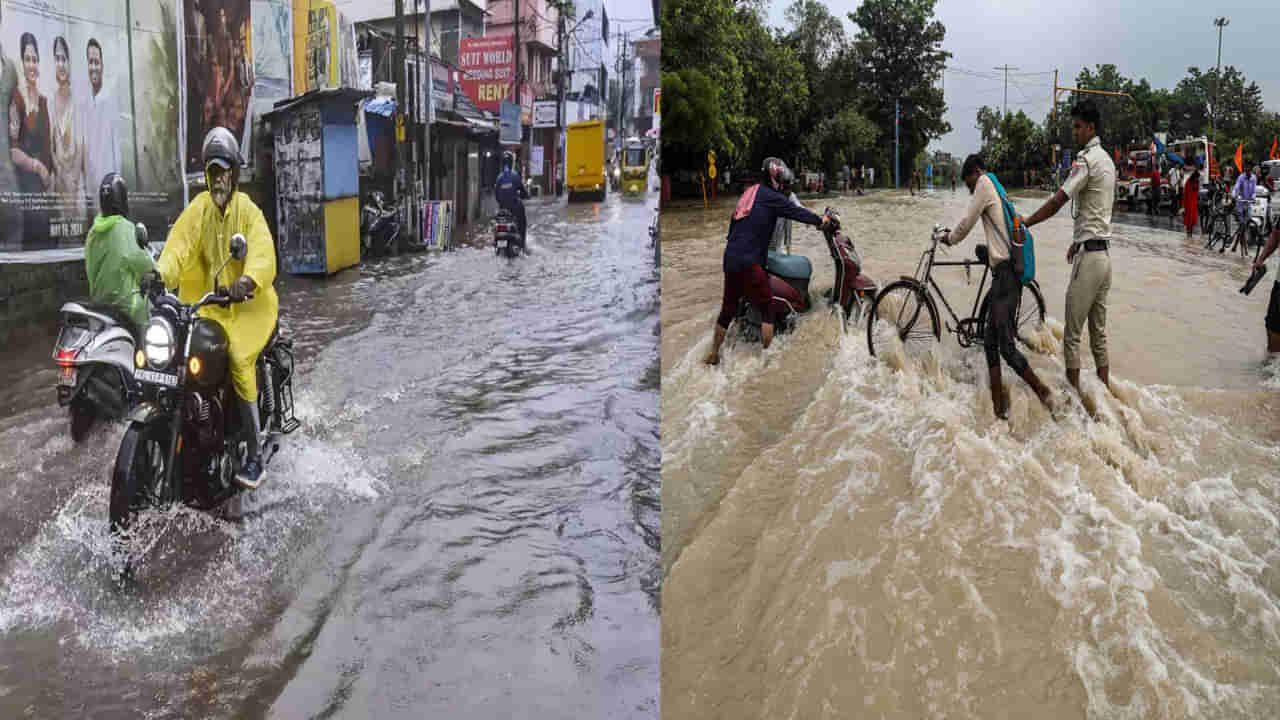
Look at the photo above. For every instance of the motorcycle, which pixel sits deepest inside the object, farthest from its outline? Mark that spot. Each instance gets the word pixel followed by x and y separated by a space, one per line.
pixel 507 239
pixel 94 352
pixel 183 444
pixel 789 277
pixel 379 227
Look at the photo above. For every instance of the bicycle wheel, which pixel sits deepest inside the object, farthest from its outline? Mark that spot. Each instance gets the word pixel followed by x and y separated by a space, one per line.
pixel 1030 314
pixel 903 313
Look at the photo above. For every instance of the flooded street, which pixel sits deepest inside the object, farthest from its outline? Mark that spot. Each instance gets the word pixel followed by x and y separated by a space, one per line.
pixel 846 536
pixel 466 524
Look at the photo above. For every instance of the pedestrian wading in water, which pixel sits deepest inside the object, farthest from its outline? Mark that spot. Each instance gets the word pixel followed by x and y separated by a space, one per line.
pixel 1091 189
pixel 747 250
pixel 1006 286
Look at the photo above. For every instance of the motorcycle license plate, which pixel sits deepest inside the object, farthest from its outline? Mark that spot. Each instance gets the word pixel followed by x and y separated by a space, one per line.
pixel 68 377
pixel 156 378
pixel 502 244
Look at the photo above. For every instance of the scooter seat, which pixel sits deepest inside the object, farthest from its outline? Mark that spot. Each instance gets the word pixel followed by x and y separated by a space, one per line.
pixel 118 316
pixel 793 267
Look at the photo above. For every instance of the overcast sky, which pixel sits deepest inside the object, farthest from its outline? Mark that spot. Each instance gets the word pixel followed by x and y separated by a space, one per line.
pixel 1157 41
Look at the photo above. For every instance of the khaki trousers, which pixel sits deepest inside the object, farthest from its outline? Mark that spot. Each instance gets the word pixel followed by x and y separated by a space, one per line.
pixel 1087 300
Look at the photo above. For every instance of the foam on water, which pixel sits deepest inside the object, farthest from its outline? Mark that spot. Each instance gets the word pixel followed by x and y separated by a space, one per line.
pixel 898 533
pixel 199 574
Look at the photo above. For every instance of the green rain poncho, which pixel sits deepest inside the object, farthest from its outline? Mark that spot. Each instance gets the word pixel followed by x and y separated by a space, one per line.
pixel 114 263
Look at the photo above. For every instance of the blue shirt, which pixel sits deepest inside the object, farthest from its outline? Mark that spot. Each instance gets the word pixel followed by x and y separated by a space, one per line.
pixel 749 236
pixel 1246 187
pixel 508 190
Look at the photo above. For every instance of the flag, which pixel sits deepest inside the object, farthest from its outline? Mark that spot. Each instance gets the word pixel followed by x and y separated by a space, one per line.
pixel 1274 155
pixel 1240 158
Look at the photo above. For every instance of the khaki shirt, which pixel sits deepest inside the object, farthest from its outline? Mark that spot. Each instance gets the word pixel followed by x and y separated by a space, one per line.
pixel 1092 189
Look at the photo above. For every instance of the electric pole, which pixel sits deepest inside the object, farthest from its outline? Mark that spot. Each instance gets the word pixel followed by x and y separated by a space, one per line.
pixel 560 62
pixel 896 108
pixel 399 64
pixel 1006 69
pixel 430 109
pixel 518 83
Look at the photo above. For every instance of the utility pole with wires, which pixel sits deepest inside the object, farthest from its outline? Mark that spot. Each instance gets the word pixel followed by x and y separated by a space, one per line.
pixel 1006 69
pixel 400 75
pixel 560 73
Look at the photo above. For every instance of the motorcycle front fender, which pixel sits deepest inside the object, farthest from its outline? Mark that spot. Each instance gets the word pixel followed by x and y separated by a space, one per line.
pixel 146 413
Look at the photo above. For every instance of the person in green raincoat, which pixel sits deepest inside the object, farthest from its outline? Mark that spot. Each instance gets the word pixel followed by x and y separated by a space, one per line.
pixel 199 244
pixel 112 258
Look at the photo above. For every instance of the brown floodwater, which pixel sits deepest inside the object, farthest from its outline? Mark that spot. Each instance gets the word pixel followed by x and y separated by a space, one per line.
pixel 852 536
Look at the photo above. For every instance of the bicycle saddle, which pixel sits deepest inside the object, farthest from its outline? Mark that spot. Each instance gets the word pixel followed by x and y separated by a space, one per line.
pixel 983 256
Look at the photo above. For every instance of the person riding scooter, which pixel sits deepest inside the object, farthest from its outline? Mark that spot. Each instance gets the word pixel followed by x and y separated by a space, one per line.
pixel 113 260
pixel 199 242
pixel 509 191
pixel 750 231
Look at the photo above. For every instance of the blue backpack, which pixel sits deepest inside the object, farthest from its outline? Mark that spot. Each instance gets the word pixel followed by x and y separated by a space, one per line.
pixel 1022 249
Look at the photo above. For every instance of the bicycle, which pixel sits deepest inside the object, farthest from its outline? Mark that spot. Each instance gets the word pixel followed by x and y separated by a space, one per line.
pixel 1246 235
pixel 1219 230
pixel 910 297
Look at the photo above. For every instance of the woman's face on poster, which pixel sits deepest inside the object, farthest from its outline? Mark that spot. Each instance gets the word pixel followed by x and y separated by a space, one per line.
pixel 62 64
pixel 31 64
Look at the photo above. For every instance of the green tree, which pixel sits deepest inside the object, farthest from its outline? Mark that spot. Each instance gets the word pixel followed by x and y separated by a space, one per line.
pixel 898 49
pixel 692 122
pixel 701 35
pixel 773 77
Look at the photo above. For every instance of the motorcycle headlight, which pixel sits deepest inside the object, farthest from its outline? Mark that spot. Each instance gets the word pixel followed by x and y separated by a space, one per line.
pixel 158 343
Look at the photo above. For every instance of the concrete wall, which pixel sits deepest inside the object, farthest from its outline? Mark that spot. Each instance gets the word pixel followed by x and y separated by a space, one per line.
pixel 31 293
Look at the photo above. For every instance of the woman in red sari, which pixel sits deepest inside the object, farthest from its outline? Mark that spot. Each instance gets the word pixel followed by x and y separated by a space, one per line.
pixel 1191 200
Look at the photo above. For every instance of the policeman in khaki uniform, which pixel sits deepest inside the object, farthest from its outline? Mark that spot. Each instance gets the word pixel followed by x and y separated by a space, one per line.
pixel 1091 188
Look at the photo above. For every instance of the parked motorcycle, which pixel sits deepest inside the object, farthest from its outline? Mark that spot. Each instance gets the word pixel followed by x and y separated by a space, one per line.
pixel 789 277
pixel 379 227
pixel 94 351
pixel 183 443
pixel 507 239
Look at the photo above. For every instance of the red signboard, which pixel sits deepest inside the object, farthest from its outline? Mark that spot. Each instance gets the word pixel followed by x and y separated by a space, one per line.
pixel 489 67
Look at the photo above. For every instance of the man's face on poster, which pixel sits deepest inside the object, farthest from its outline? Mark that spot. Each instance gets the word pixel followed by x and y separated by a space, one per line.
pixel 95 69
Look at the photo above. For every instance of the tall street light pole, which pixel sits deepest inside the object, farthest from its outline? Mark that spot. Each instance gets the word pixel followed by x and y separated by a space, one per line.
pixel 1217 80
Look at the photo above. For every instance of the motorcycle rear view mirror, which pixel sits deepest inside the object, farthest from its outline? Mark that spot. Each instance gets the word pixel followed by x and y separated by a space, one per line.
pixel 140 233
pixel 239 246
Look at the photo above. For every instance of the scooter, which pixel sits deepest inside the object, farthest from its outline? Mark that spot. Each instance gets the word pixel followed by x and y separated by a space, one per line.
pixel 379 227
pixel 789 277
pixel 507 239
pixel 94 352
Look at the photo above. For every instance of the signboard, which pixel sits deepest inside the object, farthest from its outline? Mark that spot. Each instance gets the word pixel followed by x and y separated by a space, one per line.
pixel 535 161
pixel 544 114
pixel 488 65
pixel 441 88
pixel 657 95
pixel 509 124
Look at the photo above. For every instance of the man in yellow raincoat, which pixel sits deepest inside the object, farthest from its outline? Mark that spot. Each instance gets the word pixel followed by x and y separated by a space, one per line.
pixel 198 245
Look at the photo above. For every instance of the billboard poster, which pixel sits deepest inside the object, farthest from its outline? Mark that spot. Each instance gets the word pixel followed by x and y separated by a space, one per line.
pixel 509 124
pixel 67 95
pixel 220 71
pixel 272 67
pixel 349 71
pixel 488 66
pixel 316 34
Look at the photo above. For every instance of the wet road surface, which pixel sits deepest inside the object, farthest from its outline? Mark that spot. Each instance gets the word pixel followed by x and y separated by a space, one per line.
pixel 466 524
pixel 851 536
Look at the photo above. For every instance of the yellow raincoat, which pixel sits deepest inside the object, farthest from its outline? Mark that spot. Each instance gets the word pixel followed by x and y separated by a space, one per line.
pixel 197 246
